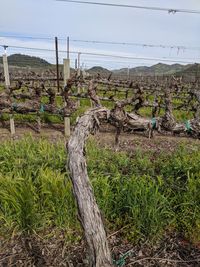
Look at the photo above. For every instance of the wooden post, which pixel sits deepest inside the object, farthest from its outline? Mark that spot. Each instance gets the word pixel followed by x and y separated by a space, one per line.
pixel 7 83
pixel 128 73
pixel 12 125
pixel 66 70
pixel 84 76
pixel 75 64
pixel 6 72
pixel 78 91
pixel 79 64
pixel 39 123
pixel 79 73
pixel 67 126
pixel 57 63
pixel 68 47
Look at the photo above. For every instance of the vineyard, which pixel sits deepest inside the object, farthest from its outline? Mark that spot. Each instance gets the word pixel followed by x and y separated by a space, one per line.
pixel 99 133
pixel 146 184
pixel 165 104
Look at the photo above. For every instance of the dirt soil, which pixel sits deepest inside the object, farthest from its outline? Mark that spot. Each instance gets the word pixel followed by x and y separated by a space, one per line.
pixel 36 251
pixel 129 142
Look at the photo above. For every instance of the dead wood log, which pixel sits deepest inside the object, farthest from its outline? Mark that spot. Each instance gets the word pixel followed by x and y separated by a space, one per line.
pixel 89 213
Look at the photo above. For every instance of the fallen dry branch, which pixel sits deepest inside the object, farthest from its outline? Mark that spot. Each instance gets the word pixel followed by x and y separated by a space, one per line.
pixel 89 213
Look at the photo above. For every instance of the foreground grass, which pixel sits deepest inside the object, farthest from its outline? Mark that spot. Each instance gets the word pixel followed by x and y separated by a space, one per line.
pixel 148 196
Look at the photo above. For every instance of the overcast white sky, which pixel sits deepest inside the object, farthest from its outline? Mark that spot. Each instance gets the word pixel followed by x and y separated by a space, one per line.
pixel 44 18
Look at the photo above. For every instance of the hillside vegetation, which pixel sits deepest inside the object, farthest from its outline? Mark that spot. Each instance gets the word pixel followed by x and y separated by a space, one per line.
pixel 158 69
pixel 20 60
pixel 192 70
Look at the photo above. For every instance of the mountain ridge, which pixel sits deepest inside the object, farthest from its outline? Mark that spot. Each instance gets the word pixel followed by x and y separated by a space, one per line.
pixel 21 60
pixel 24 61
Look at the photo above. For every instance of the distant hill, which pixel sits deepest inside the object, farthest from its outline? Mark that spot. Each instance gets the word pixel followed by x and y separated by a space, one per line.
pixel 192 70
pixel 158 69
pixel 97 69
pixel 20 60
pixel 161 68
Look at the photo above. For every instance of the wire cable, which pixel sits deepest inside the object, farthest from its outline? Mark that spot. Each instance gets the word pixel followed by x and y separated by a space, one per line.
pixel 103 55
pixel 27 37
pixel 178 47
pixel 169 10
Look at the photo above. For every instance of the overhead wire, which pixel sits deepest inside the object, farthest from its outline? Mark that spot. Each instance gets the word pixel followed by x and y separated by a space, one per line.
pixel 179 47
pixel 27 37
pixel 169 10
pixel 104 55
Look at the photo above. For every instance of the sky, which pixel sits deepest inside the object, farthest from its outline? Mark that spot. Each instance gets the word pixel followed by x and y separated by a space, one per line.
pixel 50 18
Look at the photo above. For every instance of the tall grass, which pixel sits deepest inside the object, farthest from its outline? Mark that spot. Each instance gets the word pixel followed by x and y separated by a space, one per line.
pixel 149 196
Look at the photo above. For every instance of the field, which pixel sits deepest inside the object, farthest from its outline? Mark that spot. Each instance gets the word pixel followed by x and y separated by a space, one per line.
pixel 147 197
pixel 99 134
pixel 147 189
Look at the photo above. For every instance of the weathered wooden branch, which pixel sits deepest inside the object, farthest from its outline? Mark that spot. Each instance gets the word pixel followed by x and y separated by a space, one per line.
pixel 89 213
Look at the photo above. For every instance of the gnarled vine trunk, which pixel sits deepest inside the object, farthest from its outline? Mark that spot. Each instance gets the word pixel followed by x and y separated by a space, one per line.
pixel 89 213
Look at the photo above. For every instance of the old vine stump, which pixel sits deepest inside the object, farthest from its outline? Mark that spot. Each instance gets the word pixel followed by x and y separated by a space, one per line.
pixel 89 213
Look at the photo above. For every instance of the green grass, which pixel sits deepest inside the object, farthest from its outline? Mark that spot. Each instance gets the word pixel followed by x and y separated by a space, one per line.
pixel 45 117
pixel 151 196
